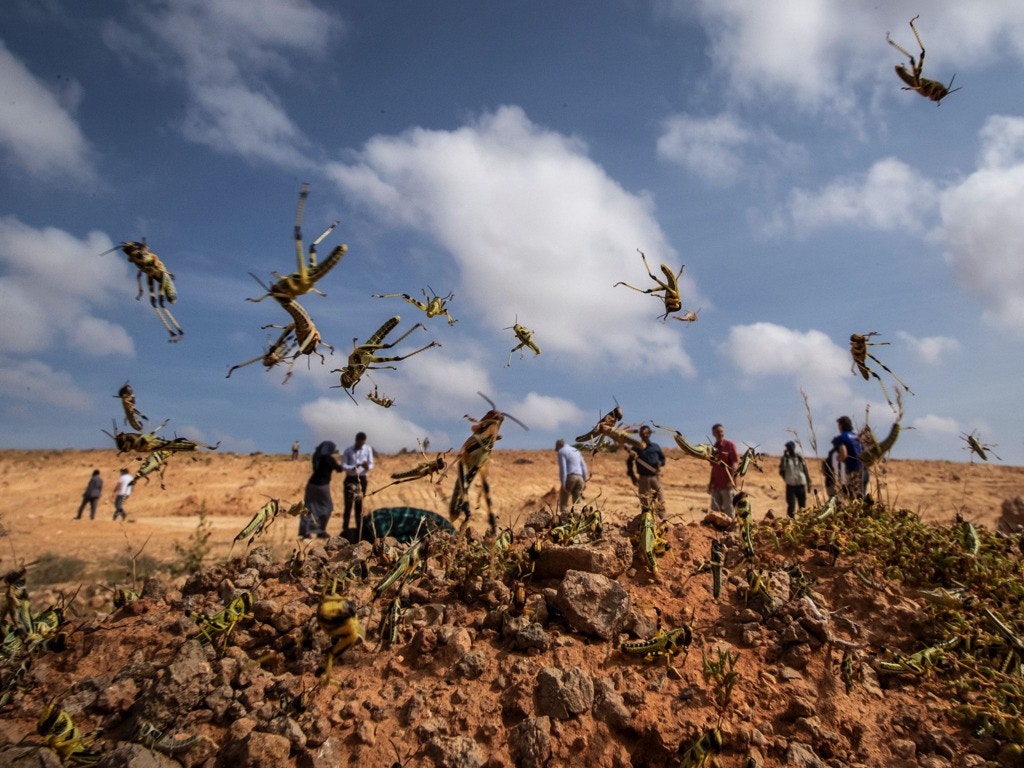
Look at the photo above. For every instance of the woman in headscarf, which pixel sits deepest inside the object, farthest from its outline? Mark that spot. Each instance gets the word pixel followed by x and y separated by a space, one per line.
pixel 318 491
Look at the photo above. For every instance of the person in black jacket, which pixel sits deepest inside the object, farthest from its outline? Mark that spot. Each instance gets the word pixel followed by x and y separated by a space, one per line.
pixel 318 491
pixel 91 496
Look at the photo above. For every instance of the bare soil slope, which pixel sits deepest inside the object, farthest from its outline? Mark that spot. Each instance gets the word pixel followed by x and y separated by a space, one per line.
pixel 470 681
pixel 41 491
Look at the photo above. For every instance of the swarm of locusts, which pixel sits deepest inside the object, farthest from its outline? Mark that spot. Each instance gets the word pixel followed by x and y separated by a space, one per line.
pixel 968 581
pixel 364 601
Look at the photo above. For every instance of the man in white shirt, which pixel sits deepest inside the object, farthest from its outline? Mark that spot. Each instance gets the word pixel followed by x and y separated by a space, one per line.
pixel 572 475
pixel 357 461
pixel 121 492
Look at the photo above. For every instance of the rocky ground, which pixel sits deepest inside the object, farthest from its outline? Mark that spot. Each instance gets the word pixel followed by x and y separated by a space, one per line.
pixel 805 672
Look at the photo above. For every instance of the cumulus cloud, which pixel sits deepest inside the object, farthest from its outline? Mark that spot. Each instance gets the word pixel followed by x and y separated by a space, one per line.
pixel 229 54
pixel 931 349
pixel 876 199
pixel 573 230
pixel 34 382
pixel 444 380
pixel 43 263
pixel 544 412
pixel 794 52
pixel 810 358
pixel 37 131
pixel 982 228
pixel 327 418
pixel 819 54
pixel 978 221
pixel 719 148
pixel 932 425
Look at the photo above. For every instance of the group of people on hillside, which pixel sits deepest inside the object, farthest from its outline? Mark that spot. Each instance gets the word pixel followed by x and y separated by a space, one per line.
pixel 843 471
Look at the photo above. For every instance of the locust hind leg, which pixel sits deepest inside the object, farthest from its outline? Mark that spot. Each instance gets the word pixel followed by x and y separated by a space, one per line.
pixel 300 253
pixel 889 371
pixel 167 319
pixel 398 340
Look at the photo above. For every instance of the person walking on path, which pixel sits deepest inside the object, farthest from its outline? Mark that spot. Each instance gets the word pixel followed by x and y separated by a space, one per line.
pixel 793 470
pixel 357 461
pixel 572 475
pixel 295 451
pixel 122 491
pixel 318 491
pixel 91 495
pixel 722 485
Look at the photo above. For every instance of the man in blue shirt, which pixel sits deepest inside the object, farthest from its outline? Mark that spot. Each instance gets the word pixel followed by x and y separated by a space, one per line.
pixel 644 469
pixel 852 475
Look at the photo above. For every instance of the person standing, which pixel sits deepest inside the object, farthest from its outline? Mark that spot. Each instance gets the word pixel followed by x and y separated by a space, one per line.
pixel 722 485
pixel 793 470
pixel 91 495
pixel 318 491
pixel 572 475
pixel 357 461
pixel 122 491
pixel 644 469
pixel 295 451
pixel 852 476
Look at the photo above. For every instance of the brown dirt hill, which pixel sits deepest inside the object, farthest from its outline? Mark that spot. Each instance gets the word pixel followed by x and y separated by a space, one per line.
pixel 471 683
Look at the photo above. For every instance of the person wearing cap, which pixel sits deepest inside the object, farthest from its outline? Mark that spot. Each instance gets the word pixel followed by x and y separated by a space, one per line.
pixel 793 470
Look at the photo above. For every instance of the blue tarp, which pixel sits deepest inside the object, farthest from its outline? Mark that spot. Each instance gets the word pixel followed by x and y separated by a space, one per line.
pixel 403 523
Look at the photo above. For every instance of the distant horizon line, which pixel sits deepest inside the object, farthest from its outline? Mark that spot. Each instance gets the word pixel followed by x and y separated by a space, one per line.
pixel 405 452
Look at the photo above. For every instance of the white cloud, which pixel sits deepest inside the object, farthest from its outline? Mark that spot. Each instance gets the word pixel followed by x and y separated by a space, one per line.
pixel 43 263
pixel 229 55
pixel 720 148
pixel 709 147
pixel 236 120
pixel 982 227
pixel 446 381
pixel 32 381
pixel 339 420
pixel 811 359
pixel 819 54
pixel 930 349
pixel 795 51
pixel 565 234
pixel 543 412
pixel 99 337
pixel 931 425
pixel 36 130
pixel 877 199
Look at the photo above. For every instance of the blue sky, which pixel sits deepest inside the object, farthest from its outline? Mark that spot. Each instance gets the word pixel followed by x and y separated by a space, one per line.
pixel 517 154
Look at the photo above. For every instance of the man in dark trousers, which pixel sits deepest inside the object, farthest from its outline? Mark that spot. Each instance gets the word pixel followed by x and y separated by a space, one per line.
pixel 91 496
pixel 357 461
